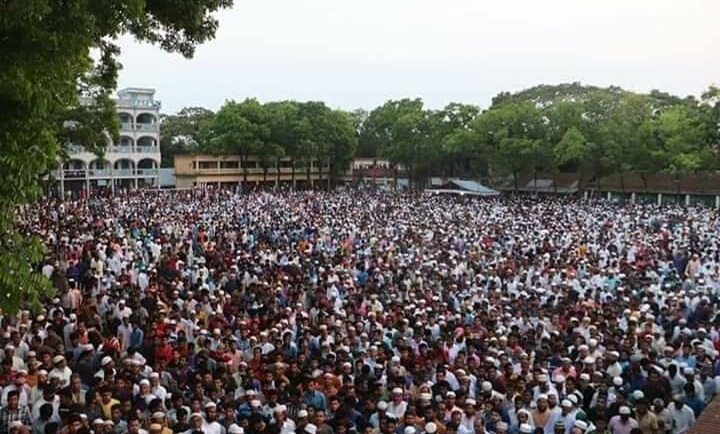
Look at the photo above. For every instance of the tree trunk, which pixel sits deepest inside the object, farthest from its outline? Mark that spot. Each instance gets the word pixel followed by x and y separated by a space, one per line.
pixel 307 167
pixel 330 174
pixel 277 172
pixel 320 172
pixel 292 173
pixel 243 162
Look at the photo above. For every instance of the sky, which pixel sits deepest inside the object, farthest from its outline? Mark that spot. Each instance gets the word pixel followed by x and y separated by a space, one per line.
pixel 360 53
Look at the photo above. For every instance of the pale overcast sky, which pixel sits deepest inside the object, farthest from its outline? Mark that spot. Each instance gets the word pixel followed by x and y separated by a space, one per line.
pixel 361 53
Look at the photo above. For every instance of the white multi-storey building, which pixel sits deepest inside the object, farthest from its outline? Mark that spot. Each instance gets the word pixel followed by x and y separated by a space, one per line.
pixel 132 163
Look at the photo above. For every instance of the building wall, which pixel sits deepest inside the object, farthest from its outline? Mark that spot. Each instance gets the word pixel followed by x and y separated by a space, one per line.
pixel 131 163
pixel 203 169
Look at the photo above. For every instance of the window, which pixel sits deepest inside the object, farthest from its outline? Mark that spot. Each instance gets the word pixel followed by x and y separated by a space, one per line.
pixel 250 164
pixel 229 164
pixel 208 165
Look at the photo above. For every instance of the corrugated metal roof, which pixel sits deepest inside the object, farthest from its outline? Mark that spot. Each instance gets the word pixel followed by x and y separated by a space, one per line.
pixel 473 186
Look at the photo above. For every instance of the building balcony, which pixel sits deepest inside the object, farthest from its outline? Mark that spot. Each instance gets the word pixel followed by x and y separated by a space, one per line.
pixel 134 149
pixel 72 174
pixel 146 127
pixel 128 127
pixel 139 103
pixel 271 171
pixel 123 172
pixel 106 173
pixel 120 149
pixel 75 149
pixel 99 173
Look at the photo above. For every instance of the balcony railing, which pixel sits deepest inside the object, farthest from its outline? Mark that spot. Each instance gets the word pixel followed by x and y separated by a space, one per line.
pixel 75 149
pixel 146 127
pixel 134 149
pixel 73 174
pixel 120 149
pixel 106 173
pixel 129 127
pixel 139 103
pixel 253 171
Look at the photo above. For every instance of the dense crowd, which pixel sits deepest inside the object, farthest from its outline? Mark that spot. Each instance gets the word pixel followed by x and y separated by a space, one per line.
pixel 210 311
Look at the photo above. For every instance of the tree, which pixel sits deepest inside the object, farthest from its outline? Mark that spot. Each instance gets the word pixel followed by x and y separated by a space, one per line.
pixel 183 132
pixel 571 148
pixel 680 134
pixel 51 88
pixel 241 129
pixel 514 134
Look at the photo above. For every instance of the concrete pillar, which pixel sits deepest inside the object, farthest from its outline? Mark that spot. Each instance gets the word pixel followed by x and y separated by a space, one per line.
pixel 62 183
pixel 717 201
pixel 659 199
pixel 632 197
pixel 687 200
pixel 609 195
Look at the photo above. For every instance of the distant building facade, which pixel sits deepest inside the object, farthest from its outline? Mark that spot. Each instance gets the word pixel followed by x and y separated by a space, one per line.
pixel 130 164
pixel 193 170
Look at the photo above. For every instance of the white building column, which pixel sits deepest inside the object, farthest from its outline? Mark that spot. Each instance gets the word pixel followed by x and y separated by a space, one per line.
pixel 632 197
pixel 687 200
pixel 717 201
pixel 659 199
pixel 61 178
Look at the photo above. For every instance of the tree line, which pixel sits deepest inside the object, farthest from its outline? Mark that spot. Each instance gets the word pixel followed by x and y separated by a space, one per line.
pixel 593 131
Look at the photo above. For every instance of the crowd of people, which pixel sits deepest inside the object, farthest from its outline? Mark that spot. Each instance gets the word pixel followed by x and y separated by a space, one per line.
pixel 218 312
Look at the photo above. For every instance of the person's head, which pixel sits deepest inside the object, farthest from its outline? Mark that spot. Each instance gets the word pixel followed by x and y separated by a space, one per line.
pixel 46 411
pixel 75 382
pixel 13 399
pixel 116 412
pixel 133 425
pixel 624 412
pixel 106 395
pixel 542 403
pixel 211 411
pixel 319 417
pixel 52 428
pixel 196 421
pixel 75 423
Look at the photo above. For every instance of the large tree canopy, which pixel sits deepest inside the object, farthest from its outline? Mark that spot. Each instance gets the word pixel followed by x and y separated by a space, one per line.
pixel 569 127
pixel 58 69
